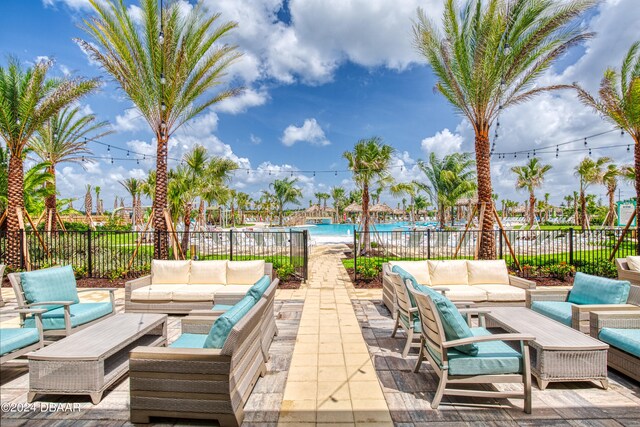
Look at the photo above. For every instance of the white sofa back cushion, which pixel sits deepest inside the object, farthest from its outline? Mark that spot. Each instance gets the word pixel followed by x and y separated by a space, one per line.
pixel 208 272
pixel 488 272
pixel 449 272
pixel 170 272
pixel 634 263
pixel 418 269
pixel 244 272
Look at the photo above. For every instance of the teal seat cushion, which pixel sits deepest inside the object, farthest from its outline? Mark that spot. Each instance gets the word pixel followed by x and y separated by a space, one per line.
pixel 49 284
pixel 223 324
pixel 404 275
pixel 627 340
pixel 258 289
pixel 556 310
pixel 417 327
pixel 80 314
pixel 589 289
pixel 492 358
pixel 12 339
pixel 221 307
pixel 189 341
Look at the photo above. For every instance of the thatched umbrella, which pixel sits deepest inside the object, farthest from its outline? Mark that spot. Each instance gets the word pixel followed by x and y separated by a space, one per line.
pixel 353 208
pixel 381 208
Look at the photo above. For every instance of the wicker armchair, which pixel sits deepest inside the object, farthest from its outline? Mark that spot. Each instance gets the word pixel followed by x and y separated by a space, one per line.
pixel 624 273
pixel 199 383
pixel 618 321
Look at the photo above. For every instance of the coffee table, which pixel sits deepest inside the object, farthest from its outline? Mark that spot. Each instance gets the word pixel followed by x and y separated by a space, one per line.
pixel 90 360
pixel 559 353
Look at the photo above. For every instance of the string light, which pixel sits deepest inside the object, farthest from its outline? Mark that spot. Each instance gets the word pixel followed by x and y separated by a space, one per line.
pixel 585 142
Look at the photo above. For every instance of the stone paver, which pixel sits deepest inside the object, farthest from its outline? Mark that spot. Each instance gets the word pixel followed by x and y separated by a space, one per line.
pixel 332 379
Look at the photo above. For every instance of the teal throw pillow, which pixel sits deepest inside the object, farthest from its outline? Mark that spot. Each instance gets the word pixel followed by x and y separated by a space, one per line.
pixel 224 324
pixel 49 284
pixel 589 289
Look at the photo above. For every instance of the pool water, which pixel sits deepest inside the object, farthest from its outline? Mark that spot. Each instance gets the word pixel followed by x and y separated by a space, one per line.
pixel 346 230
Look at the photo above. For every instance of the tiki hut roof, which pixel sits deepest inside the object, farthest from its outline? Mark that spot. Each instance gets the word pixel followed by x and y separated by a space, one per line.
pixel 353 207
pixel 381 207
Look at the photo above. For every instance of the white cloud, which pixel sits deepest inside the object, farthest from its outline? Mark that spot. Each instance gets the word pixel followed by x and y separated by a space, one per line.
pixel 310 132
pixel 73 4
pixel 131 121
pixel 442 143
pixel 65 70
pixel 256 140
pixel 239 104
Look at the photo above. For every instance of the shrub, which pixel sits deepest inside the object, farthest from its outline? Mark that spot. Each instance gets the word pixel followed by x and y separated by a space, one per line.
pixel 285 271
pixel 368 269
pixel 601 267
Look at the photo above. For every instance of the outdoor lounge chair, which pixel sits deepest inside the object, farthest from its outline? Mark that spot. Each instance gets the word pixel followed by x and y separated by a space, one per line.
pixel 201 376
pixel 54 289
pixel 462 355
pixel 589 293
pixel 406 311
pixel 626 271
pixel 15 342
pixel 621 330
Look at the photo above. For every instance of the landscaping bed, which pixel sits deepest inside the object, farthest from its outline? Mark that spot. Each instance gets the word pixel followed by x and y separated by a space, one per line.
pixel 365 283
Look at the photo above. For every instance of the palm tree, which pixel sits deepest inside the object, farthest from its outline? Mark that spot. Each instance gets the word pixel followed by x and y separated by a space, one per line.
pixel 133 186
pixel 267 201
pixel 285 191
pixel 37 188
pixel 99 206
pixel 489 58
pixel 338 196
pixel 243 200
pixel 619 103
pixel 88 201
pixel 369 161
pixel 547 206
pixel 450 179
pixel 4 165
pixel 167 66
pixel 63 139
pixel 530 177
pixel 411 190
pixel 27 100
pixel 589 172
pixel 610 180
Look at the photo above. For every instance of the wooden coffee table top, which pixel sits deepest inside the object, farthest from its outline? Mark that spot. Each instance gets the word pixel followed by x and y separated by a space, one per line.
pixel 549 334
pixel 102 339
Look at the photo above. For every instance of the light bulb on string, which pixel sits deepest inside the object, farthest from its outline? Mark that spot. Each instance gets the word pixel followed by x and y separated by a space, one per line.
pixel 161 37
pixel 112 160
pixel 108 148
pixel 589 151
pixel 527 154
pixel 585 142
pixel 621 132
pixel 515 155
pixel 138 161
pixel 163 106
pixel 336 173
pixel 162 79
pixel 314 173
pixel 628 148
pixel 127 153
pixel 534 153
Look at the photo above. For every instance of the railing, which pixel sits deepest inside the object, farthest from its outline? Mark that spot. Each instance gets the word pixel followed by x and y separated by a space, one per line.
pixel 113 254
pixel 587 251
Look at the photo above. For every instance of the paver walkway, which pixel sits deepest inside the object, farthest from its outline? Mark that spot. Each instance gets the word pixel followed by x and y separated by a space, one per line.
pixel 331 378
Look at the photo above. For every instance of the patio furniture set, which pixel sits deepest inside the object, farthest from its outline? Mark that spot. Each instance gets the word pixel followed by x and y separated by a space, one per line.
pixel 547 330
pixel 207 373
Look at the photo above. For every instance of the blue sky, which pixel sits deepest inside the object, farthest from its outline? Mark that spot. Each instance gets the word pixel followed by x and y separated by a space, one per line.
pixel 319 76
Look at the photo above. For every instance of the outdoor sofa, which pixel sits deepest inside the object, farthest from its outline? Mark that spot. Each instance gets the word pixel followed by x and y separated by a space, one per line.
pixel 589 293
pixel 629 269
pixel 621 330
pixel 177 287
pixel 204 375
pixel 481 282
pixel 54 289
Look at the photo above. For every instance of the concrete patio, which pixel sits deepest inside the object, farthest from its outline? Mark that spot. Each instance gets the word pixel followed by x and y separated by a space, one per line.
pixel 334 363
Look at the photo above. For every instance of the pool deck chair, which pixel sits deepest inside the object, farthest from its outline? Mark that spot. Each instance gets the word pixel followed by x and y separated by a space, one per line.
pixel 478 358
pixel 406 314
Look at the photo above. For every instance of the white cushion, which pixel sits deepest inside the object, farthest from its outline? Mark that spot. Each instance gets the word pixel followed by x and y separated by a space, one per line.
pixel 488 272
pixel 244 272
pixel 155 292
pixel 634 263
pixel 465 293
pixel 498 292
pixel 196 293
pixel 230 294
pixel 208 272
pixel 450 272
pixel 169 272
pixel 418 269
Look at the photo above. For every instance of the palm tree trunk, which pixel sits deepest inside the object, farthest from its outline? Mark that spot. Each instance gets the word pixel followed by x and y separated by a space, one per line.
pixel 161 248
pixel 280 214
pixel 637 169
pixel 15 203
pixel 532 208
pixel 487 243
pixel 441 212
pixel 365 217
pixel 50 204
pixel 583 208
pixel 187 224
pixel 201 218
pixel 611 192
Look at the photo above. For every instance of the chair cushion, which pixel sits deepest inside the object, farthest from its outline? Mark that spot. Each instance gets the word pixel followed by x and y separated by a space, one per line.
pixel 418 269
pixel 49 284
pixel 189 341
pixel 449 272
pixel 195 293
pixel 589 289
pixel 556 310
pixel 80 314
pixel 223 324
pixel 634 263
pixel 230 294
pixel 502 292
pixel 405 275
pixel 488 272
pixel 167 272
pixel 466 293
pixel 492 358
pixel 257 290
pixel 12 339
pixel 220 308
pixel 627 340
pixel 155 292
pixel 244 272
pixel 416 325
pixel 208 272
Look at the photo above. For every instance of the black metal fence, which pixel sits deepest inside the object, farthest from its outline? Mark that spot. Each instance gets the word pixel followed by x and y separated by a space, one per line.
pixel 536 250
pixel 113 254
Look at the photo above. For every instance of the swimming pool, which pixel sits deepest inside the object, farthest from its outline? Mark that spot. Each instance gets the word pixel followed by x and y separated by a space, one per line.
pixel 343 233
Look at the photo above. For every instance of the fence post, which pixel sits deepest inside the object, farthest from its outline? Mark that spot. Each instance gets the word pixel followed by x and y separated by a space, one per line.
pixel 355 254
pixel 231 245
pixel 305 238
pixel 500 245
pixel 428 242
pixel 21 236
pixel 290 248
pixel 89 255
pixel 571 246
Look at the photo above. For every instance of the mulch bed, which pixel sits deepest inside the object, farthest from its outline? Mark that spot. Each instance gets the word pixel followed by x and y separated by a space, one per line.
pixel 551 281
pixel 361 283
pixel 289 284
